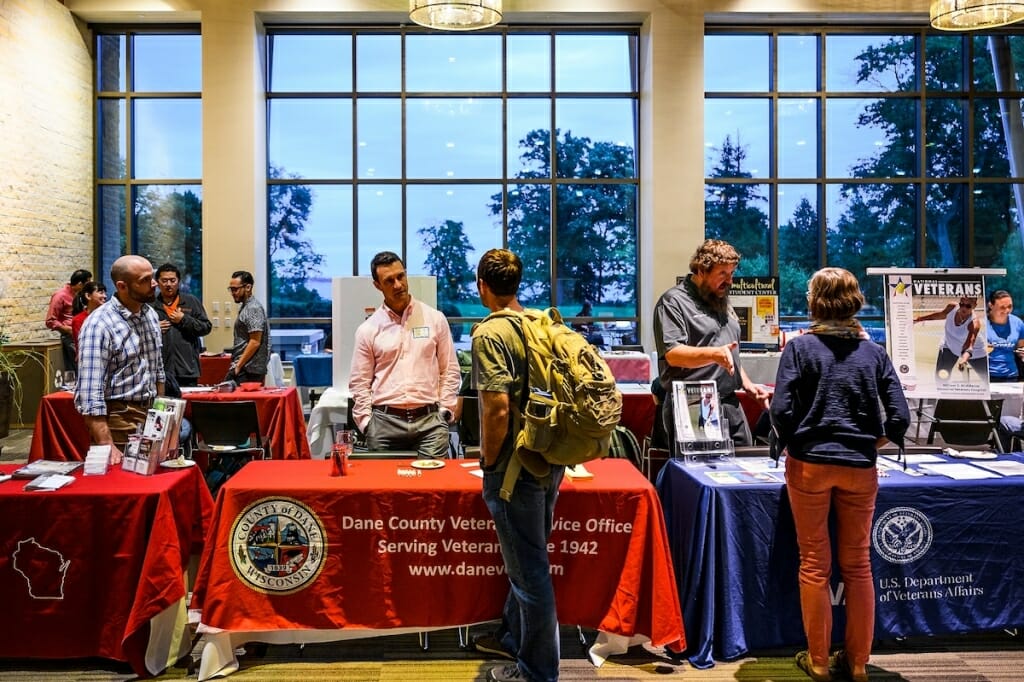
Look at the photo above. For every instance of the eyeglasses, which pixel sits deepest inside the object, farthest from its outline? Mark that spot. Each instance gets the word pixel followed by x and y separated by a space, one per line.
pixel 234 289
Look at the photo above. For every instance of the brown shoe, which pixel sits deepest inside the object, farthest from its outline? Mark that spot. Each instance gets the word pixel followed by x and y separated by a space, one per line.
pixel 803 661
pixel 845 670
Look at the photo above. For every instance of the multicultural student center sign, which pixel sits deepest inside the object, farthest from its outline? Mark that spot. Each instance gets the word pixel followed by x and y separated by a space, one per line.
pixel 937 334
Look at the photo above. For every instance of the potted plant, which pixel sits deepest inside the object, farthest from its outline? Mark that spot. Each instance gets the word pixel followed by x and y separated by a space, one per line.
pixel 10 383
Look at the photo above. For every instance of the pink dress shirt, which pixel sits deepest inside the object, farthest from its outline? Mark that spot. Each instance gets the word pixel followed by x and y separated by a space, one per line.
pixel 403 360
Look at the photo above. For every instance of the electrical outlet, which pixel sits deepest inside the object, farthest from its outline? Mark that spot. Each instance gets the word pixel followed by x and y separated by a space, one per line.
pixel 227 322
pixel 215 321
pixel 216 306
pixel 227 306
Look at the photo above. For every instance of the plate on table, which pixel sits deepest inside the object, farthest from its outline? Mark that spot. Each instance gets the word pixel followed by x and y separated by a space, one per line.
pixel 178 463
pixel 973 454
pixel 427 464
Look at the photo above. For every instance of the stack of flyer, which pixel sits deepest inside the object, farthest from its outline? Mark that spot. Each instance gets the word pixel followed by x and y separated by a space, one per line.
pixel 159 438
pixel 96 460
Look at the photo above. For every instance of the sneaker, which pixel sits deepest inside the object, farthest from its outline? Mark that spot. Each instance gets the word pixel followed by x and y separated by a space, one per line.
pixel 489 644
pixel 506 673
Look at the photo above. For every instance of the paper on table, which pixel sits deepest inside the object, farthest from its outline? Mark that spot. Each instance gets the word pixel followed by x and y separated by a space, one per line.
pixel 578 471
pixel 1005 468
pixel 958 472
pixel 755 464
pixel 918 458
pixel 49 482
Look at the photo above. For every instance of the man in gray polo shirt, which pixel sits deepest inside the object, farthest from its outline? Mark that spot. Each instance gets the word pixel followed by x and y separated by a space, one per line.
pixel 697 335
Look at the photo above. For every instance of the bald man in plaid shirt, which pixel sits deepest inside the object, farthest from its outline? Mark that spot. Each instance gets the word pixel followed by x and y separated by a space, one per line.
pixel 120 365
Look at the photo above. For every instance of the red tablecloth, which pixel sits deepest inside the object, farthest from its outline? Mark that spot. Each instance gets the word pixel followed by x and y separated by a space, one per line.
pixel 213 368
pixel 374 550
pixel 60 432
pixel 632 366
pixel 85 569
pixel 638 411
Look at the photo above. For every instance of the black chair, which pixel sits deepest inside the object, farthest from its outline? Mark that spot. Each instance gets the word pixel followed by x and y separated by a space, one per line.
pixel 468 427
pixel 627 347
pixel 227 436
pixel 967 422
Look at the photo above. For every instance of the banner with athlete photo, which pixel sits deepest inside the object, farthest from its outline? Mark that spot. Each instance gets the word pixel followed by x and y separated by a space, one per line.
pixel 937 334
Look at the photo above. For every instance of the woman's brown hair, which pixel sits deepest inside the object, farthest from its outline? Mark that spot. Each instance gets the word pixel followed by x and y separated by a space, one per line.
pixel 834 294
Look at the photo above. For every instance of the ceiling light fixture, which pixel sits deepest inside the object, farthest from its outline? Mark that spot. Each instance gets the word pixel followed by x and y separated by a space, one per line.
pixel 971 15
pixel 463 15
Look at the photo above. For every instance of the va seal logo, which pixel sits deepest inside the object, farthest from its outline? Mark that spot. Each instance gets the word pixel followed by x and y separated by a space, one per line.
pixel 277 546
pixel 902 535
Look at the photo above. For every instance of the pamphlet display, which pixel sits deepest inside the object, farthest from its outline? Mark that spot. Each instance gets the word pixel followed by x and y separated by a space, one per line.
pixel 158 440
pixel 702 431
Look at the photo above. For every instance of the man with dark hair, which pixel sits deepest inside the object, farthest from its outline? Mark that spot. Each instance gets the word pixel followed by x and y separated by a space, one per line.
pixel 183 322
pixel 404 376
pixel 250 353
pixel 528 632
pixel 697 335
pixel 121 368
pixel 59 314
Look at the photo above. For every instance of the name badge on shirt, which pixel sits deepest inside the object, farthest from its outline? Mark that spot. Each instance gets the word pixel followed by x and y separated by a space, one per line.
pixel 421 332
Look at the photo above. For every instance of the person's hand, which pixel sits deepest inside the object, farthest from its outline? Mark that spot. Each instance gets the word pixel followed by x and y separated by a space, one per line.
pixel 164 325
pixel 115 455
pixel 232 373
pixel 759 393
pixel 964 357
pixel 723 356
pixel 176 316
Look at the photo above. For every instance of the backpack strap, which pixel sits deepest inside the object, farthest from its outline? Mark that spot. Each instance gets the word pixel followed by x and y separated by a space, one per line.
pixel 515 464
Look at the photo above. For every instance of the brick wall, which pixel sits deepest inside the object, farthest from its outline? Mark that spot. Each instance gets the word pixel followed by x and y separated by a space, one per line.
pixel 46 160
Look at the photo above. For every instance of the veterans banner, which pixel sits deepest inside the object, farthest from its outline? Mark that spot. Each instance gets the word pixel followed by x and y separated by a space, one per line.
pixel 937 333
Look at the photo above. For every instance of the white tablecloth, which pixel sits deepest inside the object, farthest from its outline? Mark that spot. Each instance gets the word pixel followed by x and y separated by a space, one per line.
pixel 332 408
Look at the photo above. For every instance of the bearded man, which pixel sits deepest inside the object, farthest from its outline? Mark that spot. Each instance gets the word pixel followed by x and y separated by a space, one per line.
pixel 697 334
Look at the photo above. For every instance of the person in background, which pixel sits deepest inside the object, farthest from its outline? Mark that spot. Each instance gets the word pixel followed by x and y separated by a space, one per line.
pixel 404 376
pixel 837 400
pixel 1005 338
pixel 183 322
pixel 528 632
pixel 58 314
pixel 91 297
pixel 697 335
pixel 962 345
pixel 122 368
pixel 250 353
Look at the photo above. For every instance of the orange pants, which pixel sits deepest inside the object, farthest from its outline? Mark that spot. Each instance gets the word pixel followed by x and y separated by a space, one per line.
pixel 814 489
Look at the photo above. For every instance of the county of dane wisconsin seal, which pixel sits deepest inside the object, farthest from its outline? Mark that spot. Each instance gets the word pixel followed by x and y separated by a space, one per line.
pixel 277 546
pixel 902 535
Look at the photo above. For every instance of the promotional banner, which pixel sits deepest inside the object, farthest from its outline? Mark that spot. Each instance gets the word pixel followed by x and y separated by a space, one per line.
pixel 937 333
pixel 756 302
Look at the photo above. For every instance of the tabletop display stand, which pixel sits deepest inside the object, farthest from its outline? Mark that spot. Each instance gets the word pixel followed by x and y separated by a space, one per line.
pixel 702 431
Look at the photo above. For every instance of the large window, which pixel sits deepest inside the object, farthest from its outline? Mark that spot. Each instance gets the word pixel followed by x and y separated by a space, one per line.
pixel 439 147
pixel 149 149
pixel 864 148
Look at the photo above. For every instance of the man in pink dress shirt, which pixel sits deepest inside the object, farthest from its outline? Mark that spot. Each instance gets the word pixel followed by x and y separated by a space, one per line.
pixel 405 374
pixel 58 314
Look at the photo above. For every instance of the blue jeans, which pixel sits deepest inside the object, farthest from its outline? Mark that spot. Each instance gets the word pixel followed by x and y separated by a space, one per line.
pixel 529 623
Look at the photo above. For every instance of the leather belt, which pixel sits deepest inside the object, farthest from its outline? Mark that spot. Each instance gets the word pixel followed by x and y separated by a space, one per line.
pixel 409 414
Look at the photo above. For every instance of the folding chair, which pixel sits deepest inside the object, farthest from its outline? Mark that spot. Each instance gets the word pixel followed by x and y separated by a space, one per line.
pixel 967 422
pixel 227 436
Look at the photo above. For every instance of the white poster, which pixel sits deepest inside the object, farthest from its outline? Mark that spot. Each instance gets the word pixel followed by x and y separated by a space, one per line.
pixel 937 334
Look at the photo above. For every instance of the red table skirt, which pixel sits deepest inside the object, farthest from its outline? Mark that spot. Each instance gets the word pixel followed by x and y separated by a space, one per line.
pixel 375 550
pixel 85 569
pixel 60 432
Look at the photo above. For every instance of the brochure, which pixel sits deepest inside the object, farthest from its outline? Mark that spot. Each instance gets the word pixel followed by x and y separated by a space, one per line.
pixel 41 467
pixel 49 482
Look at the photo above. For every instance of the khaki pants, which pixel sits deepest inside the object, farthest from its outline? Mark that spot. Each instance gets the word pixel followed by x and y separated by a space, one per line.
pixel 125 418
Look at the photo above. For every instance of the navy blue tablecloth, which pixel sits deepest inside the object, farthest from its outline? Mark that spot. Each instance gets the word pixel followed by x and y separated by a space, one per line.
pixel 313 370
pixel 946 555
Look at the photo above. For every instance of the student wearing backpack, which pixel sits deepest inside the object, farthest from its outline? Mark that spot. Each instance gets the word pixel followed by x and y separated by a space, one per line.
pixel 697 335
pixel 528 632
